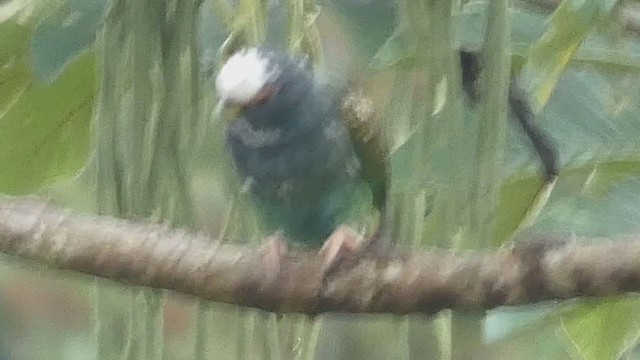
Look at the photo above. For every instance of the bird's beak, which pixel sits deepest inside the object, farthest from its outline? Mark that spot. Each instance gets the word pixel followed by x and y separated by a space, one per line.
pixel 232 109
pixel 227 109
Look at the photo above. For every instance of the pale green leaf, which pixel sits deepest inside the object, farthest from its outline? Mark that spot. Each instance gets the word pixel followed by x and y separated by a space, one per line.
pixel 62 36
pixel 44 133
pixel 570 24
pixel 603 329
pixel 396 50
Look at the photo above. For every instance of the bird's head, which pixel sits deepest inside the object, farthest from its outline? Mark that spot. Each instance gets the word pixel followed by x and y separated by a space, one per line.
pixel 262 81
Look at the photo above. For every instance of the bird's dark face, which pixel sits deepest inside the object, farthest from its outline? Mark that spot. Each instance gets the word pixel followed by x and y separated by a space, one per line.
pixel 265 84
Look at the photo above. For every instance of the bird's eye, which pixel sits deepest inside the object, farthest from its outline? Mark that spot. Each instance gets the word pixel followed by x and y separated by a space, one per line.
pixel 264 95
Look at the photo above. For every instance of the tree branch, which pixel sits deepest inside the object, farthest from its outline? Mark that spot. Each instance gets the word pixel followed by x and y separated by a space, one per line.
pixel 152 255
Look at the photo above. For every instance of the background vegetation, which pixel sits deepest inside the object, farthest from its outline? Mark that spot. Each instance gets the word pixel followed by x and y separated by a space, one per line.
pixel 107 106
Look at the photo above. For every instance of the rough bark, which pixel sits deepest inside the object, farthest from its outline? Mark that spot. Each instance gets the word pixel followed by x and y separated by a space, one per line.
pixel 390 282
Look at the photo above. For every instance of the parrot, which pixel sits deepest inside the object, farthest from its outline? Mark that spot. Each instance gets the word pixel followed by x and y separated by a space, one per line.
pixel 307 152
pixel 301 154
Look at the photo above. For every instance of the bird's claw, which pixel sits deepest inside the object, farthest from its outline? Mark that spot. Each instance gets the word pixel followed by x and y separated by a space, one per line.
pixel 344 241
pixel 273 249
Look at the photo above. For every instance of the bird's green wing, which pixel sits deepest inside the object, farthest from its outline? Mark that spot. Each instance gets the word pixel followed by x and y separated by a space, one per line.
pixel 370 143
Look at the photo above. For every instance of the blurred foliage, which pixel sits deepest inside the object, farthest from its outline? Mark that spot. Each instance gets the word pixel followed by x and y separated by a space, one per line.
pixel 614 325
pixel 146 119
pixel 44 128
pixel 579 67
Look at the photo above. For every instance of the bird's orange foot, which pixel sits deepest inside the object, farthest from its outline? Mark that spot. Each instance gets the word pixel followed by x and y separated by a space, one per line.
pixel 343 242
pixel 273 249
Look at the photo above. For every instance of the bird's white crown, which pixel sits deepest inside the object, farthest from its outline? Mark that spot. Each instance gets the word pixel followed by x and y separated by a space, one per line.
pixel 243 75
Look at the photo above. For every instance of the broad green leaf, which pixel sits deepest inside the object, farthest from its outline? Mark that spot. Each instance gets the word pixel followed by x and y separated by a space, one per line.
pixel 621 53
pixel 44 133
pixel 471 25
pixel 527 28
pixel 570 24
pixel 395 51
pixel 368 24
pixel 592 129
pixel 585 206
pixel 16 10
pixel 581 120
pixel 14 71
pixel 64 35
pixel 603 329
pixel 592 118
pixel 44 130
pixel 515 199
pixel 595 200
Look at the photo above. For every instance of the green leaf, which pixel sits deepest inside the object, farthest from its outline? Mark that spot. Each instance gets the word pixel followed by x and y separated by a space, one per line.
pixel 44 132
pixel 14 73
pixel 592 129
pixel 592 118
pixel 396 50
pixel 603 329
pixel 367 24
pixel 471 25
pixel 527 28
pixel 570 24
pixel 64 35
pixel 586 206
pixel 618 52
pixel 515 199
